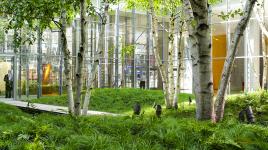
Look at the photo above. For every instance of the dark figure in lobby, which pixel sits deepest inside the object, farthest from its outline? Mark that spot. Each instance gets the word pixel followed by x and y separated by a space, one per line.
pixel 142 81
pixel 7 86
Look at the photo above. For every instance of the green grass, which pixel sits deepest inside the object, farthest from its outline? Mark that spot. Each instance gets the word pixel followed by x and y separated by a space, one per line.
pixel 116 100
pixel 175 130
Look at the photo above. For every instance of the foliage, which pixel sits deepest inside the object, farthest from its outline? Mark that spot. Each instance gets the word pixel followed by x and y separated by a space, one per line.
pixel 230 14
pixel 257 100
pixel 34 14
pixel 174 130
pixel 127 51
pixel 116 100
pixel 161 7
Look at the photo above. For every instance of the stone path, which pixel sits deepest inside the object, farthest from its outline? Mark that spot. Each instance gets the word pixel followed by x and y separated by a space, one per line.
pixel 47 108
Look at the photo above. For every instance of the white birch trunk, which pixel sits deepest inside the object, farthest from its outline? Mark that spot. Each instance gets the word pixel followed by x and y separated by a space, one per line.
pixel 159 63
pixel 180 68
pixel 259 12
pixel 80 56
pixel 171 86
pixel 67 63
pixel 197 18
pixel 228 64
pixel 97 60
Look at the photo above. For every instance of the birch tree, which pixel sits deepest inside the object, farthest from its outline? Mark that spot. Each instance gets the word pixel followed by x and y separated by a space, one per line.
pixel 229 62
pixel 197 19
pixel 80 59
pixel 180 66
pixel 102 14
pixel 260 15
pixel 67 62
pixel 166 70
pixel 33 13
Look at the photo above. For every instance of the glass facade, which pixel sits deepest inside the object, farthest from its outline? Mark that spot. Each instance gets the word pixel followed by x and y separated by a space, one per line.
pixel 132 29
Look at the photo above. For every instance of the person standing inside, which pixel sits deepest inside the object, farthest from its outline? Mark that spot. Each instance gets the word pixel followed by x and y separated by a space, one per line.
pixel 7 86
pixel 10 78
pixel 142 81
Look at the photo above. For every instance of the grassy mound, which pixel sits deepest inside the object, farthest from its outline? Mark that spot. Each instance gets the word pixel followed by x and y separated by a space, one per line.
pixel 257 100
pixel 116 100
pixel 175 130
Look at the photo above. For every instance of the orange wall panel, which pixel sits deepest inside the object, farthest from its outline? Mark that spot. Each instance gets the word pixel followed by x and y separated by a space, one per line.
pixel 218 50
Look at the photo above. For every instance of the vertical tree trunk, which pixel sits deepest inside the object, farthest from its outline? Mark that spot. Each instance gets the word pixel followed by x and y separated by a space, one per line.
pixel 101 44
pixel 180 68
pixel 159 63
pixel 80 56
pixel 259 12
pixel 228 64
pixel 60 63
pixel 197 14
pixel 67 63
pixel 171 87
pixel 39 63
pixel 97 60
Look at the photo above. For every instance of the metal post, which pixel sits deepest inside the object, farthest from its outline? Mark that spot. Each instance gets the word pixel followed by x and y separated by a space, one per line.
pixel 15 76
pixel 133 25
pixel 19 80
pixel 27 73
pixel 6 43
pixel 95 25
pixel 246 65
pixel 148 42
pixel 126 57
pixel 61 63
pixel 107 31
pixel 74 49
pixel 100 60
pixel 39 64
pixel 116 45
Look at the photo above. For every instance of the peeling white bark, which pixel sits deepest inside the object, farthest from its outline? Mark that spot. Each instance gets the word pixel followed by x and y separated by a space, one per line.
pixel 80 56
pixel 171 87
pixel 228 64
pixel 259 13
pixel 159 63
pixel 97 61
pixel 67 63
pixel 197 19
pixel 180 68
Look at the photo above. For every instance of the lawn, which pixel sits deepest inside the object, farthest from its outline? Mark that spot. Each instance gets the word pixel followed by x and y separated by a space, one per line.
pixel 117 100
pixel 174 130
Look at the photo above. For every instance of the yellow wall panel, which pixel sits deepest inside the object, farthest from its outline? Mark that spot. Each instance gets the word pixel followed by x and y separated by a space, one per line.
pixel 218 55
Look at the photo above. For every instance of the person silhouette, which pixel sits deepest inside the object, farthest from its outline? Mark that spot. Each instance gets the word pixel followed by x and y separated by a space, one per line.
pixel 7 86
pixel 10 83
